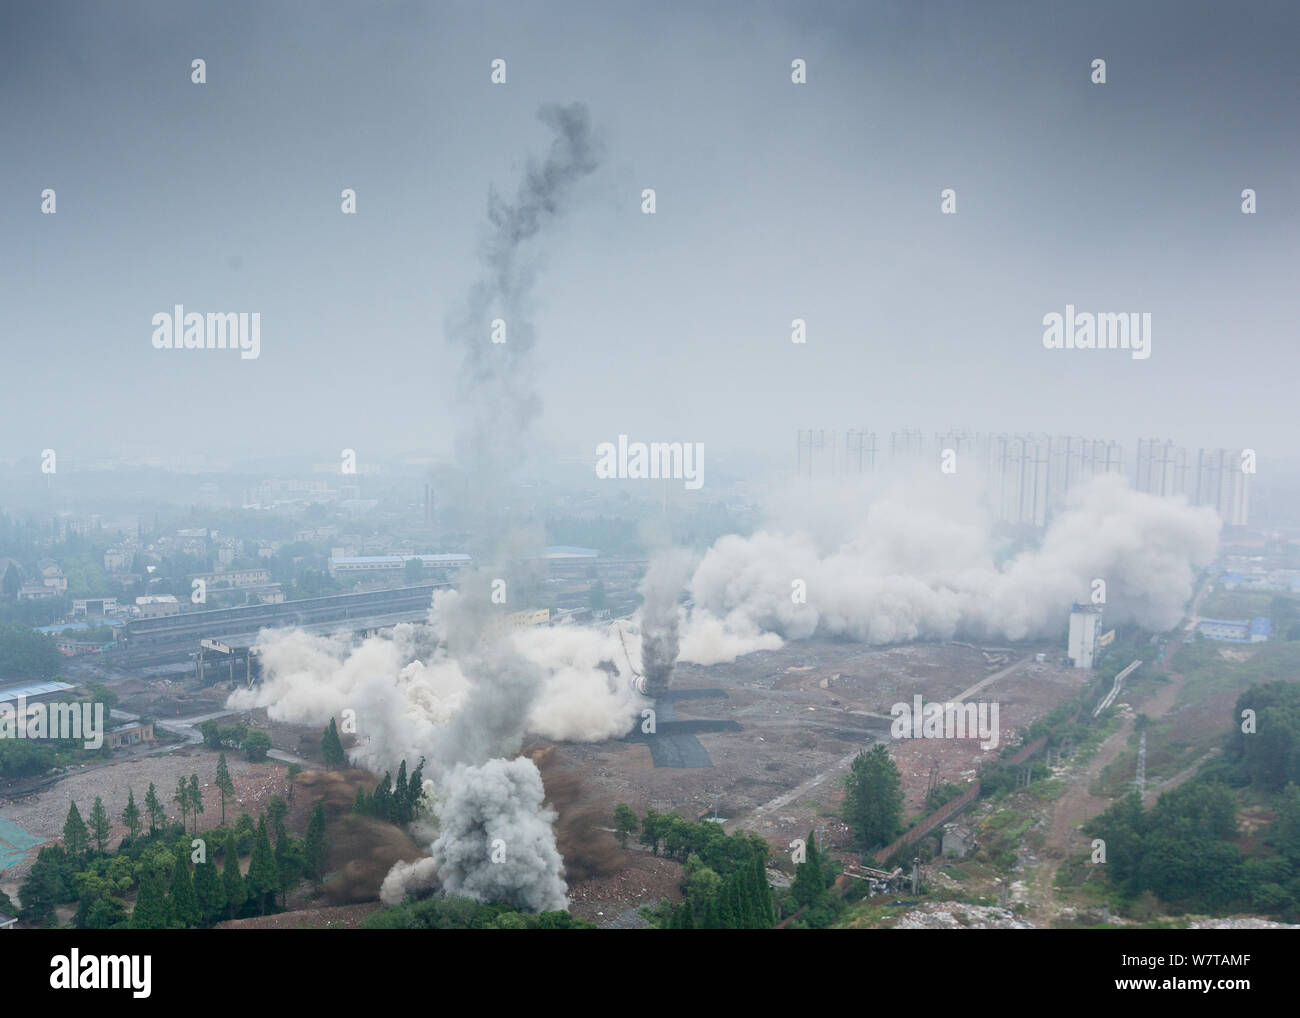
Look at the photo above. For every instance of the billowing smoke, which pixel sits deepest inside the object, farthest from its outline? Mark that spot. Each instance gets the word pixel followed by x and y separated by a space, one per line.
pixel 496 841
pixel 907 571
pixel 409 880
pixel 498 400
pixel 664 581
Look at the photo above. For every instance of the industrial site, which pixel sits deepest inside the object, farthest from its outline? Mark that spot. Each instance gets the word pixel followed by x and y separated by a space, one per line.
pixel 658 488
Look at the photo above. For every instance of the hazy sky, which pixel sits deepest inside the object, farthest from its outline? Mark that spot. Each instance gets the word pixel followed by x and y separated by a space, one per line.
pixel 775 201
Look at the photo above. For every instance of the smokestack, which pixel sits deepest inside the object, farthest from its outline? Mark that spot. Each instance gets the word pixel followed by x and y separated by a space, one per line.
pixel 660 589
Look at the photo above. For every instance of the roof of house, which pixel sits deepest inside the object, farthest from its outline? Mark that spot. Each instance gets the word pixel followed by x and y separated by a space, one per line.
pixel 31 689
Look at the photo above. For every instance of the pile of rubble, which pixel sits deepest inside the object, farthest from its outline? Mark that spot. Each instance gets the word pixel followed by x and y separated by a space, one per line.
pixel 953 915
pixel 1246 923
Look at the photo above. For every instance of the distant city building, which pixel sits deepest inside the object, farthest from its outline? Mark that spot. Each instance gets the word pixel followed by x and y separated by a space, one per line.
pixel 1256 630
pixel 1221 483
pixel 394 563
pixel 235 578
pixel 130 735
pixel 52 576
pixel 558 552
pixel 155 606
pixel 94 607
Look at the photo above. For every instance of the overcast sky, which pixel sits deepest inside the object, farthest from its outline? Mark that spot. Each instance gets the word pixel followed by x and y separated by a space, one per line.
pixel 775 201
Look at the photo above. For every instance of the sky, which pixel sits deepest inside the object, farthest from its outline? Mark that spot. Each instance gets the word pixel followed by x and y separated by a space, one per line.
pixel 774 201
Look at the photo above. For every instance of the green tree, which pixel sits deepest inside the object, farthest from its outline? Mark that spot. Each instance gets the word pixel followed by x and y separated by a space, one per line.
pixel 262 878
pixel 625 822
pixel 331 746
pixel 13 580
pixel 652 830
pixel 225 785
pixel 315 847
pixel 232 881
pixel 182 901
pixel 873 805
pixel 276 810
pixel 208 890
pixel 194 796
pixel 809 887
pixel 414 572
pixel 131 816
pixel 150 912
pixel 400 802
pixel 182 798
pixel 288 863
pixel 290 777
pixel 154 809
pixel 76 840
pixel 99 828
pixel 256 744
pixel 44 888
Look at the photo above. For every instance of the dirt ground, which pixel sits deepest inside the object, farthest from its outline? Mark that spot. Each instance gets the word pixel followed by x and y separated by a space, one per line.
pixel 805 711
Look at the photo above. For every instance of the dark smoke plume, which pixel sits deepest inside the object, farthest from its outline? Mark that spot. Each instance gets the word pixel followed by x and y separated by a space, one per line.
pixel 498 400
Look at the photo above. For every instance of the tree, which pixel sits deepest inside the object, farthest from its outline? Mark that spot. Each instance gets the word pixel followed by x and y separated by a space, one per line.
pixel 131 816
pixel 154 809
pixel 13 580
pixel 652 830
pixel 288 863
pixel 277 809
pixel 331 746
pixel 182 901
pixel 414 571
pixel 256 744
pixel 262 877
pixel 195 797
pixel 291 776
pixel 150 912
pixel 99 825
pixel 809 887
pixel 208 890
pixel 625 822
pixel 873 805
pixel 381 803
pixel 315 848
pixel 211 734
pixel 225 785
pixel 232 881
pixel 75 837
pixel 182 798
pixel 400 803
pixel 43 889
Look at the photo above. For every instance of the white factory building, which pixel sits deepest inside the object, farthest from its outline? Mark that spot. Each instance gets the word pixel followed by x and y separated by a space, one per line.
pixel 1085 634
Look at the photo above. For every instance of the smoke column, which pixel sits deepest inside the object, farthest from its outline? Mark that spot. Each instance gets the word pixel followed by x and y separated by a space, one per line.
pixel 663 583
pixel 498 402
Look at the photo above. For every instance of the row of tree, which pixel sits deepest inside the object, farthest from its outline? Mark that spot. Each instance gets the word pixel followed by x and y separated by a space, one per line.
pixel 255 742
pixel 170 892
pixel 397 803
